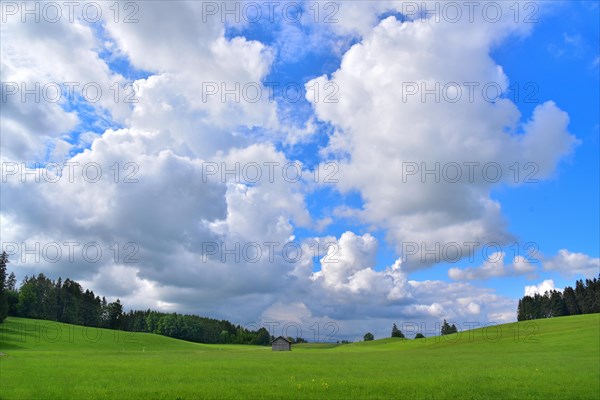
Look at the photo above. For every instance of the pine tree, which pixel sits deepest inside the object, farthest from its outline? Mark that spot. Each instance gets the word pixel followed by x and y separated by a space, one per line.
pixel 11 282
pixel 582 298
pixel 104 314
pixel 397 332
pixel 115 314
pixel 12 296
pixel 60 301
pixel 262 337
pixel 570 301
pixel 3 289
pixel 445 328
pixel 594 290
pixel 448 329
pixel 557 304
pixel 520 311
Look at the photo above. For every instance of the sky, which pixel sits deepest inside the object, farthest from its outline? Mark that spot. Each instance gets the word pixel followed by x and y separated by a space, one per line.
pixel 329 166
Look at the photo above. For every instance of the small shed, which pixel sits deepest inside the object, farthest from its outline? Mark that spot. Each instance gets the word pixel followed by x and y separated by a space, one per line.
pixel 281 344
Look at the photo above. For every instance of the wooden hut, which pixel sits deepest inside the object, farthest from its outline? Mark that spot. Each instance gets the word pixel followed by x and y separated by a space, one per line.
pixel 281 344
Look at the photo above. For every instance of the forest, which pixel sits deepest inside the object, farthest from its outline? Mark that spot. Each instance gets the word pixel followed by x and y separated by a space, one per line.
pixel 66 301
pixel 584 299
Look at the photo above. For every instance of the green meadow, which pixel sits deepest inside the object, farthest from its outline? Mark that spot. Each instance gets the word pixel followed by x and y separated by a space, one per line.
pixel 541 359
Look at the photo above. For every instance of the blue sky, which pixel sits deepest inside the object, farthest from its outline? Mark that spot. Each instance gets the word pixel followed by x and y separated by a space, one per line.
pixel 561 212
pixel 564 46
pixel 370 213
pixel 561 65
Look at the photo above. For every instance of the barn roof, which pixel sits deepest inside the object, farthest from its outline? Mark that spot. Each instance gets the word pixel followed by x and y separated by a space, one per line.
pixel 281 337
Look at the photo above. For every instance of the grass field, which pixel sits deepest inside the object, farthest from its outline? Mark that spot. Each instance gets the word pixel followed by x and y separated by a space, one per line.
pixel 542 359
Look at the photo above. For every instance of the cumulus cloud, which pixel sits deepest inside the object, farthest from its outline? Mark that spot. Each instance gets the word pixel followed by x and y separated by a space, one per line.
pixel 408 152
pixel 152 192
pixel 352 287
pixel 493 267
pixel 39 87
pixel 570 264
pixel 564 261
pixel 348 261
pixel 184 49
pixel 156 203
pixel 541 288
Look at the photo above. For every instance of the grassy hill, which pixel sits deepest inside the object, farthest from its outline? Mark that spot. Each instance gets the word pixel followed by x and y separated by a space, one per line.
pixel 550 358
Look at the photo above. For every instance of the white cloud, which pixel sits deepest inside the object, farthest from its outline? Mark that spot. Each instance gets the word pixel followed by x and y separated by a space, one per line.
pixel 541 288
pixel 351 288
pixel 360 17
pixel 169 135
pixel 380 130
pixel 124 282
pixel 346 259
pixel 571 264
pixel 493 267
pixel 172 132
pixel 564 261
pixel 183 49
pixel 34 57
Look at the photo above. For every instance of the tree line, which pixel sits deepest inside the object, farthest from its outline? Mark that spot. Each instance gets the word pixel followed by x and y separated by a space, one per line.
pixel 447 329
pixel 66 301
pixel 584 299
